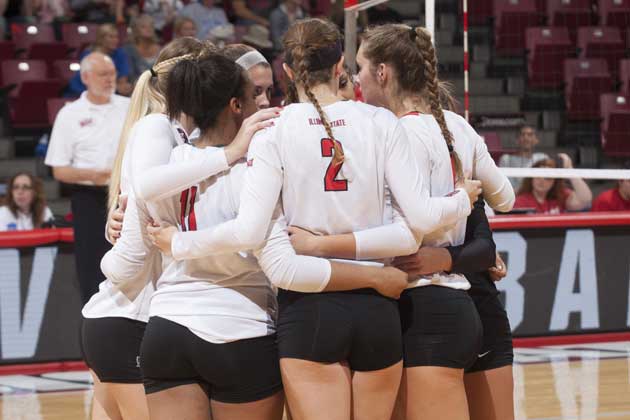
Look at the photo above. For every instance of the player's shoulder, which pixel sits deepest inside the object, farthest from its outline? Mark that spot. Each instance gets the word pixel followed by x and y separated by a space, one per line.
pixel 375 113
pixel 182 152
pixel 153 121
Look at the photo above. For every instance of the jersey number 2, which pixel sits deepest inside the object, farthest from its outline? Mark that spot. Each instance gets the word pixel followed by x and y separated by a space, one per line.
pixel 330 183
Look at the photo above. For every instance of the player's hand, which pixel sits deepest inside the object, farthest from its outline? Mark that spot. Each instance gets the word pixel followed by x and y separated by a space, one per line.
pixel 499 270
pixel 427 260
pixel 162 237
pixel 251 125
pixel 303 241
pixel 473 189
pixel 115 221
pixel 392 283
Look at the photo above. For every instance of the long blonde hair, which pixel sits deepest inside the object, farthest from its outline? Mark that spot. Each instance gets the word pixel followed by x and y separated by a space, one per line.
pixel 148 98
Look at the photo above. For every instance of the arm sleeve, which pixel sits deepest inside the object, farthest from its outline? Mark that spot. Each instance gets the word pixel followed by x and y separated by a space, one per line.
pixel 260 193
pixel 287 270
pixel 60 146
pixel 478 252
pixel 407 173
pixel 497 189
pixel 387 241
pixel 163 181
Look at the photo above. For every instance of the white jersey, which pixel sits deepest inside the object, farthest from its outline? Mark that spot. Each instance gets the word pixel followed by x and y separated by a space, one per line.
pixel 294 158
pixel 426 136
pixel 133 264
pixel 20 221
pixel 226 297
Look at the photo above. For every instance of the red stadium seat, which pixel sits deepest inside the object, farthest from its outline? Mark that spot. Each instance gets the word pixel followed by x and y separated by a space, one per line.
pixel 54 105
pixel 29 110
pixel 571 14
pixel 25 34
pixel 614 13
pixel 493 142
pixel 548 48
pixel 65 69
pixel 585 81
pixel 602 42
pixel 15 72
pixel 615 126
pixel 7 50
pixel 47 51
pixel 624 76
pixel 512 17
pixel 78 35
pixel 479 11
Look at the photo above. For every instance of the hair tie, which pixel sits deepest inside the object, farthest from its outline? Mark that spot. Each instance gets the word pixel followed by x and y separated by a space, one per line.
pixel 450 148
pixel 153 73
pixel 413 34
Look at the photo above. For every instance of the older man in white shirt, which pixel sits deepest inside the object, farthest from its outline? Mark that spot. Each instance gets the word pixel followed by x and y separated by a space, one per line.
pixel 82 149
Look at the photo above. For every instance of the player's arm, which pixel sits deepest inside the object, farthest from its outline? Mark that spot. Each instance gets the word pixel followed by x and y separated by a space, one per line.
pixel 407 174
pixel 290 271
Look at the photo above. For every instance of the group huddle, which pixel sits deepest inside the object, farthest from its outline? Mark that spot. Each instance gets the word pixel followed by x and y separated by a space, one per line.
pixel 332 255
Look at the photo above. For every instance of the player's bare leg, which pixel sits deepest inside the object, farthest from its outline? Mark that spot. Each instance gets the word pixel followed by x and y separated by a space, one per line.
pixel 317 391
pixel 374 393
pixel 490 394
pixel 439 393
pixel 185 402
pixel 270 408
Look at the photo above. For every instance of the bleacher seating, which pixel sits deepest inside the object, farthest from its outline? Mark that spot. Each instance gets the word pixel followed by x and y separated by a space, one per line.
pixel 54 105
pixel 15 72
pixel 602 42
pixel 26 34
pixel 512 18
pixel 47 51
pixel 571 14
pixel 614 13
pixel 547 48
pixel 615 125
pixel 624 76
pixel 7 50
pixel 65 69
pixel 78 35
pixel 585 81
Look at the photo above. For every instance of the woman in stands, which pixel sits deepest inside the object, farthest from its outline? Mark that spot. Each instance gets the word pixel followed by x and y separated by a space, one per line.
pixel 552 196
pixel 115 318
pixel 26 204
pixel 340 352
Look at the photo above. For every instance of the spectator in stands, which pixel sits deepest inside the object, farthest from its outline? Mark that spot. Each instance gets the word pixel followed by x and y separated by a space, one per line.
pixel 206 15
pixel 48 11
pixel 382 14
pixel 26 204
pixel 184 26
pixel 249 12
pixel 281 18
pixel 99 11
pixel 616 199
pixel 525 157
pixel 143 48
pixel 10 10
pixel 106 43
pixel 163 12
pixel 82 148
pixel 551 196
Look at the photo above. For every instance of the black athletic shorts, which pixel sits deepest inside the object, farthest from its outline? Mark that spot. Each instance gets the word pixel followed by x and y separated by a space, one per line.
pixel 440 326
pixel 497 350
pixel 111 348
pixel 236 372
pixel 358 326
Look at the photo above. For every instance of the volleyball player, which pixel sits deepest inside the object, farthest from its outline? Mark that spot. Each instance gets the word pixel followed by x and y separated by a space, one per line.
pixel 322 337
pixel 399 71
pixel 115 317
pixel 258 70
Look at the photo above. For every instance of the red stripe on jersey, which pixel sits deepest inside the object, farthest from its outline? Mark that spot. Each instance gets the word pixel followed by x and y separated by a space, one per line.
pixel 192 219
pixel 183 200
pixel 411 113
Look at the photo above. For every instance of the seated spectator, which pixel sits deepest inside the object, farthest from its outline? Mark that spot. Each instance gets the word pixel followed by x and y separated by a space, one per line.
pixel 144 47
pixel 616 199
pixel 346 85
pixel 382 14
pixel 106 43
pixel 551 196
pixel 525 157
pixel 206 15
pixel 48 11
pixel 281 18
pixel 249 12
pixel 258 37
pixel 26 204
pixel 184 26
pixel 98 11
pixel 163 12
